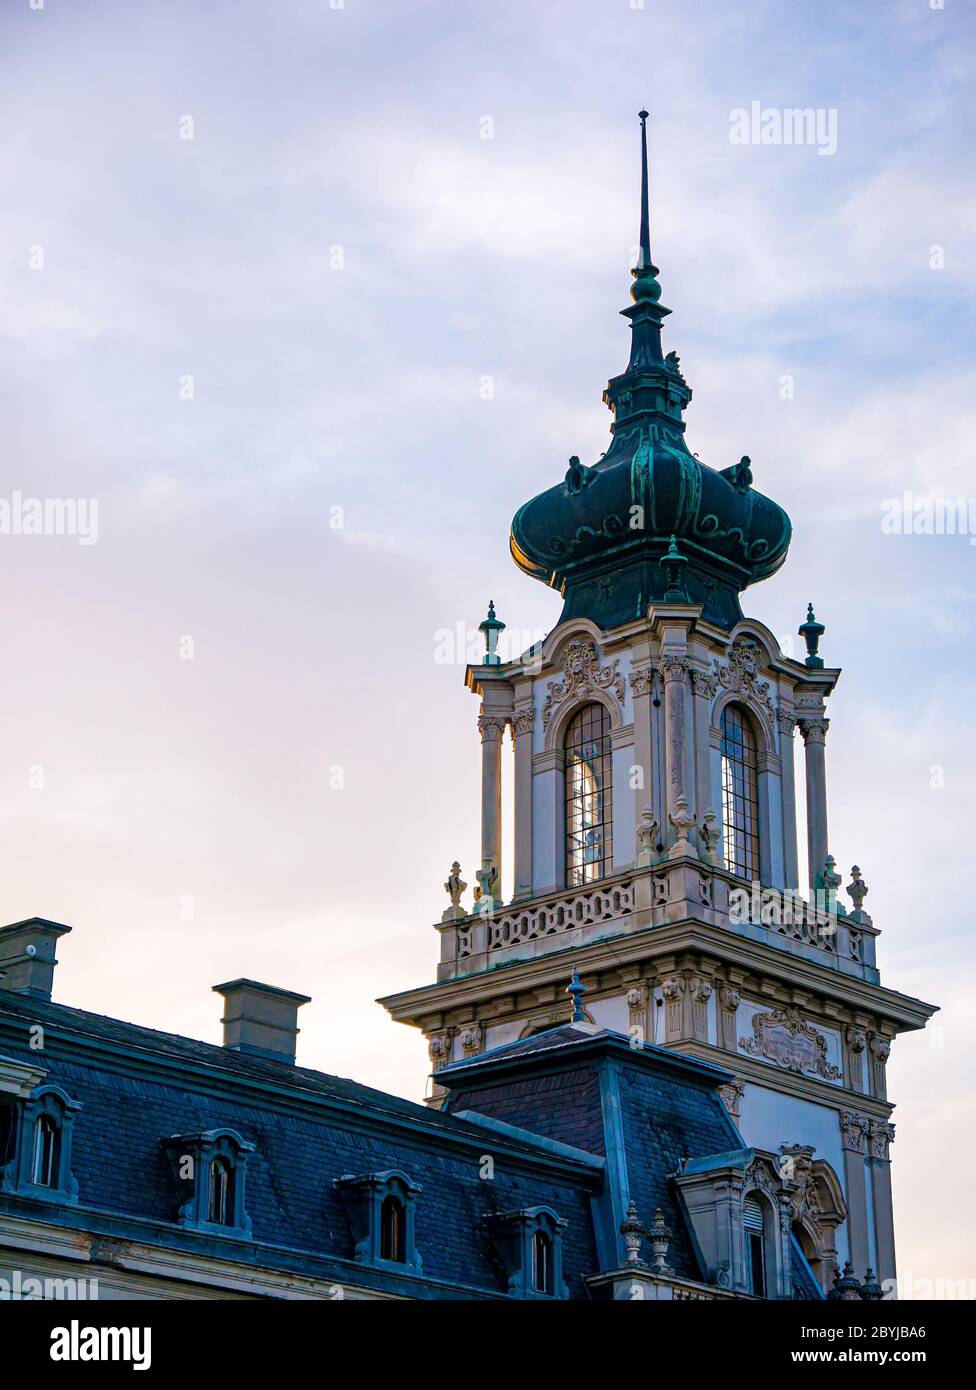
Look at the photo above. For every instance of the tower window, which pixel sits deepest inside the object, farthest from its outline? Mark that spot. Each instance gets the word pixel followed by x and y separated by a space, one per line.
pixel 393 1230
pixel 542 1262
pixel 589 797
pixel 220 1204
pixel 740 797
pixel 46 1141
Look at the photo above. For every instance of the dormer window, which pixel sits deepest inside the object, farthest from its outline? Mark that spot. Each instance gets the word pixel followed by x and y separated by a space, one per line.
pixel 393 1230
pixel 47 1140
pixel 542 1262
pixel 219 1207
pixel 381 1215
pixel 529 1244
pixel 211 1168
pixel 35 1145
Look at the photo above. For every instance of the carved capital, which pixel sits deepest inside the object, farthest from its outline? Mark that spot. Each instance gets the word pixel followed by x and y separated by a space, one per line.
pixel 880 1134
pixel 786 722
pixel 641 681
pixel 853 1131
pixel 705 684
pixel 673 668
pixel 439 1050
pixel 523 720
pixel 730 998
pixel 492 727
pixel 814 730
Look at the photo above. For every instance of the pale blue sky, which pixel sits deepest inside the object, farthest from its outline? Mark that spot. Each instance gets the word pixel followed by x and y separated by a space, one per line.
pixel 314 387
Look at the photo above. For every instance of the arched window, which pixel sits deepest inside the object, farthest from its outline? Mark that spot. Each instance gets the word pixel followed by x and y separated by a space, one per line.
pixel 589 797
pixel 542 1279
pixel 220 1203
pixel 740 795
pixel 393 1230
pixel 46 1141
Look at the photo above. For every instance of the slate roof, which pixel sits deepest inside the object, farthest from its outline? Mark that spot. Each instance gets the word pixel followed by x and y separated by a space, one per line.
pixel 138 1086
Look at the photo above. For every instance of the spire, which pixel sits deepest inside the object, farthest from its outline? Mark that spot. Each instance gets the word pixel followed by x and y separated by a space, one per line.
pixel 645 229
pixel 645 313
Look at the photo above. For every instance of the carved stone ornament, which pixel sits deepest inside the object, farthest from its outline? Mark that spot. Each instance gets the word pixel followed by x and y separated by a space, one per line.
pixel 683 821
pixel 711 836
pixel 648 836
pixel 740 673
pixel 880 1135
pixel 853 1131
pixel 704 683
pixel 438 1049
pixel 642 681
pixel 582 674
pixel 786 722
pixel 470 1036
pixel 731 1096
pixel 814 730
pixel 785 1038
pixel 523 720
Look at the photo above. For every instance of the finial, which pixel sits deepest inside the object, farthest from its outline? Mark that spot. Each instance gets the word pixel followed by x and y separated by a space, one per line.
pixel 491 627
pixel 645 312
pixel 811 631
pixel 633 1231
pixel 673 563
pixel 576 991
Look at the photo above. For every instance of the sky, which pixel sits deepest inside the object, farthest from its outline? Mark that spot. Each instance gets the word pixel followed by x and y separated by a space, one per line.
pixel 309 297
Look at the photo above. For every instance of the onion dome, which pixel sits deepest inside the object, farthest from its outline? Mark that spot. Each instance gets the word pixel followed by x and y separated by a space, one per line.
pixel 622 533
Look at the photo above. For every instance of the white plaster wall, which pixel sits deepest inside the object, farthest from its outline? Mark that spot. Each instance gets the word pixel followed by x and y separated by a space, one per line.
pixel 544 867
pixel 500 1033
pixel 769 1119
pixel 610 1013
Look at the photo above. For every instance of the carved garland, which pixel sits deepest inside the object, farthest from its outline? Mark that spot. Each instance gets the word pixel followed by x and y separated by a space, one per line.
pixel 582 674
pixel 741 673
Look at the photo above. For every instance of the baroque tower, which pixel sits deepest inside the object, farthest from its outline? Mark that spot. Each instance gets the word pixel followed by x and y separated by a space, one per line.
pixel 656 821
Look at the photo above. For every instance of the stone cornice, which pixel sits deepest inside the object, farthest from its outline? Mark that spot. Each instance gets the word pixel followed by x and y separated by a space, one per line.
pixel 805 1087
pixel 781 974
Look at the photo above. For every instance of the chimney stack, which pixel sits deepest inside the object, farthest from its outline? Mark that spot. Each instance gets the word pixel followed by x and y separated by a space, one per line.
pixel 28 955
pixel 260 1020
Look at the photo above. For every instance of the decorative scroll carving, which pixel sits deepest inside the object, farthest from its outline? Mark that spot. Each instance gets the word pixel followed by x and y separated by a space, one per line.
pixel 582 674
pixel 741 672
pixel 562 914
pixel 785 1038
pixel 704 683
pixel 786 722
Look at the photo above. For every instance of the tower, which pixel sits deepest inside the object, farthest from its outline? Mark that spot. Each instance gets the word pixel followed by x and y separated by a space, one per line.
pixel 656 821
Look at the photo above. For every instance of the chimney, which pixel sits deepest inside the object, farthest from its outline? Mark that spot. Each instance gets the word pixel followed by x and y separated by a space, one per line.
pixel 260 1020
pixel 28 955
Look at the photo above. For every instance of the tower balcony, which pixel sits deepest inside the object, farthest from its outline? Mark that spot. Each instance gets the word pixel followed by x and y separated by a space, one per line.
pixel 677 889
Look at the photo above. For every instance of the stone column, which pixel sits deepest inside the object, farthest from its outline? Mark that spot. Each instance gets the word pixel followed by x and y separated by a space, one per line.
pixel 492 728
pixel 674 673
pixel 523 723
pixel 814 733
pixel 791 869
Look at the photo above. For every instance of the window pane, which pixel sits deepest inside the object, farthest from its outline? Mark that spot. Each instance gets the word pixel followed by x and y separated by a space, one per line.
pixel 740 798
pixel 589 797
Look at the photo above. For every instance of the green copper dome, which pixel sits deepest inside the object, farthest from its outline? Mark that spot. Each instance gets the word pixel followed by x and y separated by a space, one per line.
pixel 601 535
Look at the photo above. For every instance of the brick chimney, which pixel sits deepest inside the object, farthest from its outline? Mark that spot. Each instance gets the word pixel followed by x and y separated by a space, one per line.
pixel 260 1020
pixel 28 955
